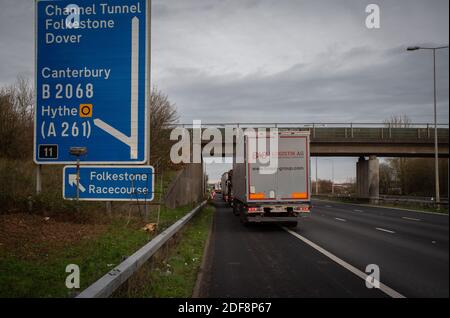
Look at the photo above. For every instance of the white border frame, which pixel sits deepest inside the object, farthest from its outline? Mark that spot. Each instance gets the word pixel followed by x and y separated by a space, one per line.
pixel 146 105
pixel 109 167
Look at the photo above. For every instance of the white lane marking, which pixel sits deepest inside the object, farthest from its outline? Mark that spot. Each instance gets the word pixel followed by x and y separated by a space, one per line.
pixel 385 207
pixel 412 219
pixel 384 230
pixel 356 210
pixel 342 220
pixel 387 290
pixel 328 206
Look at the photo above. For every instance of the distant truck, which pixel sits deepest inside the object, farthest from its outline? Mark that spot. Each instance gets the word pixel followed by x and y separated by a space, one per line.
pixel 282 196
pixel 225 182
pixel 230 196
pixel 217 188
pixel 223 186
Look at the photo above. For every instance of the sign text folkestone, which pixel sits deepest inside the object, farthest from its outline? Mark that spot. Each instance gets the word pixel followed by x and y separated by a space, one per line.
pixel 109 183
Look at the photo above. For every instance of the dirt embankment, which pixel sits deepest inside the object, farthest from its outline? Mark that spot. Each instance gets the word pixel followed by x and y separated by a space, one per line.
pixel 33 236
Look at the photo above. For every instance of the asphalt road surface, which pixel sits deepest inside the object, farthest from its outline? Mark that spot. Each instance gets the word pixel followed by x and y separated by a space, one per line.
pixel 328 254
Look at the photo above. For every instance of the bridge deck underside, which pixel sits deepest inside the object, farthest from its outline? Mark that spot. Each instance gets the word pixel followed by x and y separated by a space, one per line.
pixel 346 149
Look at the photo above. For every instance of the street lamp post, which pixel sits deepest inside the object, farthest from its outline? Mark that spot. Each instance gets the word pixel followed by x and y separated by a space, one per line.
pixel 436 150
pixel 317 180
pixel 332 177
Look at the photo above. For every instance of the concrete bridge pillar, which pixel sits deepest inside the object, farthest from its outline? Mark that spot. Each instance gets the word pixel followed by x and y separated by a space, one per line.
pixel 368 179
pixel 361 178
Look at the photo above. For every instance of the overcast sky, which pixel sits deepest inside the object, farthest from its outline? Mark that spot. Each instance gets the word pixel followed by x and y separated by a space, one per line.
pixel 279 60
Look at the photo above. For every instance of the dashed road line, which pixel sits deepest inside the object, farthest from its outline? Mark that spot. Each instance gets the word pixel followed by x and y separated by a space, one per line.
pixel 342 220
pixel 411 219
pixel 384 230
pixel 386 289
pixel 356 210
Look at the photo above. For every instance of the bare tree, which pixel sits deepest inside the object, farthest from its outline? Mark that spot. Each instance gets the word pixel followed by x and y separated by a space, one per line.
pixel 414 176
pixel 399 165
pixel 398 121
pixel 163 118
pixel 386 178
pixel 16 119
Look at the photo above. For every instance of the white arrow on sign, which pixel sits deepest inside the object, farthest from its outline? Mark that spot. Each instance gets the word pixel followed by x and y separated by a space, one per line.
pixel 131 141
pixel 73 182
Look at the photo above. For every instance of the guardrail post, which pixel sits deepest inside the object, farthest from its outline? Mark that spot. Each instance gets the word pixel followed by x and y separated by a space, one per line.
pixel 351 129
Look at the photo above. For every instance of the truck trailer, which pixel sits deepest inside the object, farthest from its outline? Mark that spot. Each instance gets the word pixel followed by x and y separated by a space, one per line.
pixel 264 193
pixel 227 189
pixel 230 195
pixel 224 186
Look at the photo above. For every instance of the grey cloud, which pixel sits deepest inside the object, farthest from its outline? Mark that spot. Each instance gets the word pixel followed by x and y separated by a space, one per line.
pixel 278 60
pixel 387 83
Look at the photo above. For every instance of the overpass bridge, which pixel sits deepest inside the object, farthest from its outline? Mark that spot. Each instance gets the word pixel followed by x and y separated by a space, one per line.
pixel 360 140
pixel 357 139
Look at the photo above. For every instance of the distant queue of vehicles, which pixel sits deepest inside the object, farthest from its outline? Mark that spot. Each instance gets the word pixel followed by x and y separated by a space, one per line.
pixel 227 188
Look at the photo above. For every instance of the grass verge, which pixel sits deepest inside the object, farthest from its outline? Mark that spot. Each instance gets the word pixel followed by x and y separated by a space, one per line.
pixel 173 273
pixel 43 275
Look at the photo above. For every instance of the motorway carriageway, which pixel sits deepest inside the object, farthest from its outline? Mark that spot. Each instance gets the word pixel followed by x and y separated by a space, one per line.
pixel 328 254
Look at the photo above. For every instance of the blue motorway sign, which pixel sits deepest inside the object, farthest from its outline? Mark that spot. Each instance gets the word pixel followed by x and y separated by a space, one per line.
pixel 92 80
pixel 109 183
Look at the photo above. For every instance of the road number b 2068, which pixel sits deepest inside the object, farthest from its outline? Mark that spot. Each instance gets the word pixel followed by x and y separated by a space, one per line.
pixel 68 91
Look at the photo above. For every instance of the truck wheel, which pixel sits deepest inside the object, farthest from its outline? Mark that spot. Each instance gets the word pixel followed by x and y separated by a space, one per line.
pixel 235 208
pixel 243 218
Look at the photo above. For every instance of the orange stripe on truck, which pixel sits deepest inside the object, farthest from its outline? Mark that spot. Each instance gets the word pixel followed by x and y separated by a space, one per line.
pixel 299 195
pixel 259 195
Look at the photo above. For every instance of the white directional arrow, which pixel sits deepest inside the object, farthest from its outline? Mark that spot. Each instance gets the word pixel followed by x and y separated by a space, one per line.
pixel 132 140
pixel 73 182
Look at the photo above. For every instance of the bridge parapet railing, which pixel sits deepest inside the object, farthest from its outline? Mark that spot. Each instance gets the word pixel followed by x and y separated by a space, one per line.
pixel 379 133
pixel 342 131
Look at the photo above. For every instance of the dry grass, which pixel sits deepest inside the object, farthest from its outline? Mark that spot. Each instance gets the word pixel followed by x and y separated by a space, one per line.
pixel 32 236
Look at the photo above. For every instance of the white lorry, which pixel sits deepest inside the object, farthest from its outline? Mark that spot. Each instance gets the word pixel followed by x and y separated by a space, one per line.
pixel 272 194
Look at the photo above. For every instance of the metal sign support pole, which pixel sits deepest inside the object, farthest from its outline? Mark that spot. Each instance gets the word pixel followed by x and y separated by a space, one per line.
pixel 38 179
pixel 78 180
